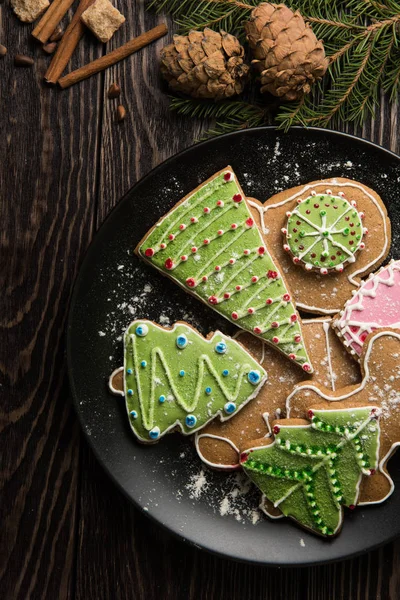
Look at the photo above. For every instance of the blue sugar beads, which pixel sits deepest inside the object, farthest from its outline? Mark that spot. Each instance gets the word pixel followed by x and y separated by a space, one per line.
pixel 181 341
pixel 154 433
pixel 142 330
pixel 190 420
pixel 221 348
pixel 254 377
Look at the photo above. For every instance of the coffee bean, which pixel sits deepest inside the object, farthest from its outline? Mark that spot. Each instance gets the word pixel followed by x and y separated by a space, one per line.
pixel 114 91
pixel 121 113
pixel 56 35
pixel 20 60
pixel 49 48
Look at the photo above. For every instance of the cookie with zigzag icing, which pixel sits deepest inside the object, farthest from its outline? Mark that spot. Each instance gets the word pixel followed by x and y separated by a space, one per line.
pixel 218 443
pixel 177 380
pixel 210 244
pixel 326 236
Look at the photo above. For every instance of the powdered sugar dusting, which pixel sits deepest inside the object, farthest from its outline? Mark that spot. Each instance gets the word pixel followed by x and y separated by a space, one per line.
pixel 235 496
pixel 230 495
pixel 197 484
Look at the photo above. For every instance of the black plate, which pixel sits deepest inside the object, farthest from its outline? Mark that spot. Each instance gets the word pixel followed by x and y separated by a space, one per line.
pixel 167 480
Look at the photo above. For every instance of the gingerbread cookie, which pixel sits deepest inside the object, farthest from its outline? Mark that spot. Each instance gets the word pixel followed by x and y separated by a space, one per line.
pixel 376 304
pixel 331 269
pixel 218 443
pixel 175 379
pixel 310 471
pixel 380 386
pixel 209 244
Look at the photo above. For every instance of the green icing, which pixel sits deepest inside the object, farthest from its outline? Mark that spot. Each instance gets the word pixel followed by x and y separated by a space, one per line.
pixel 177 377
pixel 310 472
pixel 211 246
pixel 324 232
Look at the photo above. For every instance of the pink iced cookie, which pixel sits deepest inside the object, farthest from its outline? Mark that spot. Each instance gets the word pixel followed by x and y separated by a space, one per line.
pixel 376 304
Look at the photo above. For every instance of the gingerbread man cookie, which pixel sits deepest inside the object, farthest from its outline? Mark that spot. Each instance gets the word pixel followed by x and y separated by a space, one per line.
pixel 380 386
pixel 376 304
pixel 175 379
pixel 218 443
pixel 210 245
pixel 326 236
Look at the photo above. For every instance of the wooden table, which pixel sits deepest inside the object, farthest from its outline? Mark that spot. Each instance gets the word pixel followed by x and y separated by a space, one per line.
pixel 67 532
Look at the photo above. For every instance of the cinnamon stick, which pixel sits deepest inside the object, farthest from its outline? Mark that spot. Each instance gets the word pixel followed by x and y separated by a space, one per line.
pixel 68 43
pixel 100 64
pixel 51 18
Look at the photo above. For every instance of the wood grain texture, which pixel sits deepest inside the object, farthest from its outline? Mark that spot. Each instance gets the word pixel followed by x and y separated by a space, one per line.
pixel 67 532
pixel 49 145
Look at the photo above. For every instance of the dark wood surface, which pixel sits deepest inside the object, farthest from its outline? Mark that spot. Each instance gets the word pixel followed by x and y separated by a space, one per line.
pixel 66 531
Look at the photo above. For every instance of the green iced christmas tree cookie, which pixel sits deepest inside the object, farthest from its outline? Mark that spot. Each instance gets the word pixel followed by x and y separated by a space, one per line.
pixel 210 245
pixel 324 233
pixel 311 471
pixel 177 379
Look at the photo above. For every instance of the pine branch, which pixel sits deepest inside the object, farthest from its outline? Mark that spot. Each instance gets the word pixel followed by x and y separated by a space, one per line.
pixel 357 71
pixel 361 40
pixel 230 115
pixel 227 15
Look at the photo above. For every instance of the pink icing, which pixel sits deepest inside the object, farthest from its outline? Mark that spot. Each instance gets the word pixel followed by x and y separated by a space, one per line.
pixel 376 304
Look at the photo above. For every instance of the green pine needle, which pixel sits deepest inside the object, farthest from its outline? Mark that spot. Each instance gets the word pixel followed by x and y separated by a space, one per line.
pixel 361 39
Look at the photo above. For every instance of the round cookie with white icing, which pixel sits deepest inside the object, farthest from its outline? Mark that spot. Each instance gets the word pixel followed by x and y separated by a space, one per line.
pixel 326 293
pixel 375 304
pixel 324 232
pixel 380 386
pixel 175 379
pixel 219 442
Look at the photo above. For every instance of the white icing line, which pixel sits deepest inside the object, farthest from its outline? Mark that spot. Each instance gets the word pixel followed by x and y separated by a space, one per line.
pixel 263 209
pixel 390 480
pixel 263 507
pixel 263 344
pixel 318 320
pixel 110 384
pixel 199 436
pixel 266 421
pixel 318 309
pixel 326 328
pixel 262 354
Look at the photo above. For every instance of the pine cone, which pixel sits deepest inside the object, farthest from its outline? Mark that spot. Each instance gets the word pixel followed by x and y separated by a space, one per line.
pixel 205 64
pixel 287 53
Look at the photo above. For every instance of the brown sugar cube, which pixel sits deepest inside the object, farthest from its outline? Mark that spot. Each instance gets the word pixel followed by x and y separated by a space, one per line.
pixel 29 10
pixel 103 19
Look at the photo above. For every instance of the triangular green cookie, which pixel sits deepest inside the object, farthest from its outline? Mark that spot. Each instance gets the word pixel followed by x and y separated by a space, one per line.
pixel 311 471
pixel 176 378
pixel 210 245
